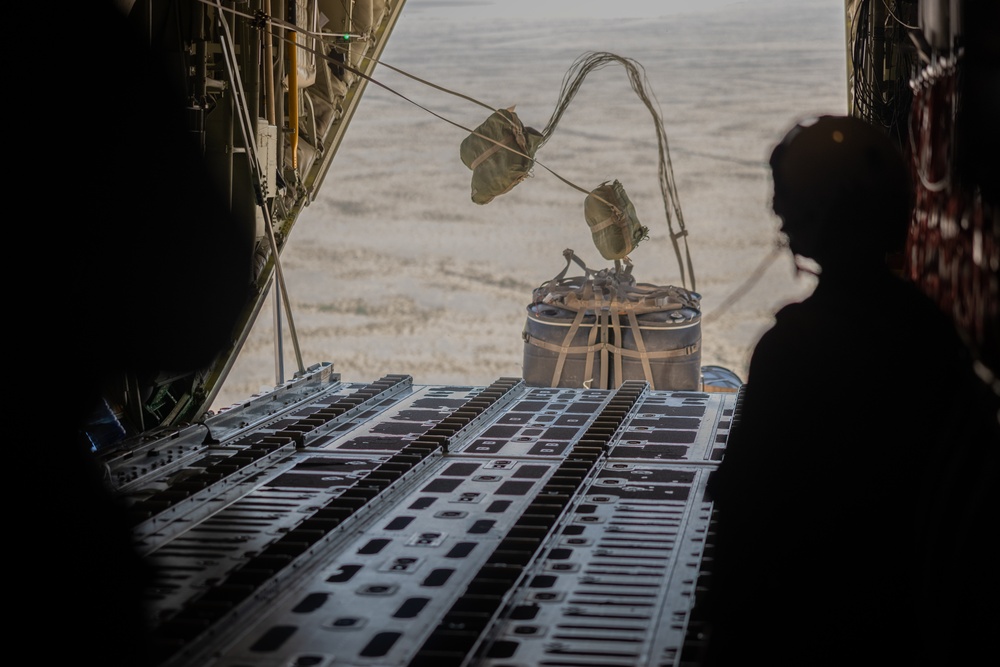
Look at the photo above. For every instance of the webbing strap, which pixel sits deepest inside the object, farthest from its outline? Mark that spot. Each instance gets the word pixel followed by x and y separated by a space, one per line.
pixel 557 373
pixel 617 219
pixel 588 370
pixel 607 222
pixel 604 346
pixel 617 326
pixel 641 348
pixel 604 351
pixel 571 257
pixel 490 151
pixel 618 291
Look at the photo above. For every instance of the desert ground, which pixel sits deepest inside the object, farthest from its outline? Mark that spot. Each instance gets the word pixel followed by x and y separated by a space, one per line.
pixel 393 269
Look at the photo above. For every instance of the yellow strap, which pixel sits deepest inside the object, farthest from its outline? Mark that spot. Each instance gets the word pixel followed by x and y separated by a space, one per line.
pixel 560 362
pixel 607 222
pixel 604 350
pixel 687 350
pixel 588 370
pixel 489 151
pixel 616 324
pixel 641 348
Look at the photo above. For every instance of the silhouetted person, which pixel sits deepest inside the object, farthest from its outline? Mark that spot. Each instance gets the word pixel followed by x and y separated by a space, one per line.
pixel 864 446
pixel 134 264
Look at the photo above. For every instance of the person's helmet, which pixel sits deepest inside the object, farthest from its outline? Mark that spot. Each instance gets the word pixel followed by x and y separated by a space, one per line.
pixel 842 188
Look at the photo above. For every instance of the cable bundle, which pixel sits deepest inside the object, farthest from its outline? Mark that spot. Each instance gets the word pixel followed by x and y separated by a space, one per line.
pixel 501 153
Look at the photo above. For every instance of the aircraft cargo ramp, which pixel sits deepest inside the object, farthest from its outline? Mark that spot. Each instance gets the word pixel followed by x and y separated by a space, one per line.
pixel 328 523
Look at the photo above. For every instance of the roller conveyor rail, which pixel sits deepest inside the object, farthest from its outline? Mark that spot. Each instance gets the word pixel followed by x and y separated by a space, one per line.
pixel 395 524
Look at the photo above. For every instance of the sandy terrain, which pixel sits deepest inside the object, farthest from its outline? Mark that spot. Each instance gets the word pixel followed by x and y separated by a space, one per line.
pixel 393 269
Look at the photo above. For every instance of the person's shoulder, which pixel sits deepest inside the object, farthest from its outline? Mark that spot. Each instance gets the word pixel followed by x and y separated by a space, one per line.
pixel 800 337
pixel 926 319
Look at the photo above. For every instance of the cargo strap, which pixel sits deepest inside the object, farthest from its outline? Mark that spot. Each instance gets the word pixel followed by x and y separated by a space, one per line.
pixel 606 318
pixel 618 219
pixel 620 291
pixel 595 347
pixel 609 295
pixel 506 142
pixel 557 373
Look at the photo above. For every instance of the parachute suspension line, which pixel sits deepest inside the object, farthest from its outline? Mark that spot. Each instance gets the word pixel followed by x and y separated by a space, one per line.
pixel 571 84
pixel 318 36
pixel 343 65
pixel 243 113
pixel 319 54
pixel 572 81
pixel 428 83
pixel 666 174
